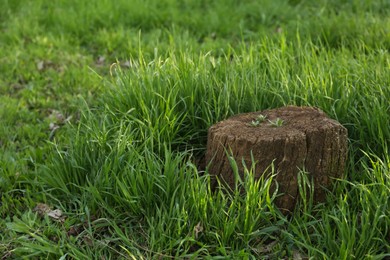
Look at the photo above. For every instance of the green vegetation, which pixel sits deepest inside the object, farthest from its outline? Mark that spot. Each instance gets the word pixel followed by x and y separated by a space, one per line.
pixel 105 106
pixel 277 123
pixel 258 120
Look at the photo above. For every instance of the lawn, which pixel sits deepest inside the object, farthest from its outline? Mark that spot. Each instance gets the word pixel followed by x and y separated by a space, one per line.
pixel 104 112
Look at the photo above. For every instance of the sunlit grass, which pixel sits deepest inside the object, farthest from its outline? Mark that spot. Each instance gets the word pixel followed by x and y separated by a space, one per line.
pixel 104 112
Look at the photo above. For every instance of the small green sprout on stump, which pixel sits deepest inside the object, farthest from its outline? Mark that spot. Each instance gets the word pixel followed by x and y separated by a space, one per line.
pixel 277 123
pixel 259 119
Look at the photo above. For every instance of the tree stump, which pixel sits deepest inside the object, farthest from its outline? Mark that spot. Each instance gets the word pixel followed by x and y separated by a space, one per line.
pixel 292 138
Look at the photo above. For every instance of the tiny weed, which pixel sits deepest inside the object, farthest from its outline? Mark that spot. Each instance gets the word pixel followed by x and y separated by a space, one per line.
pixel 254 123
pixel 259 119
pixel 277 123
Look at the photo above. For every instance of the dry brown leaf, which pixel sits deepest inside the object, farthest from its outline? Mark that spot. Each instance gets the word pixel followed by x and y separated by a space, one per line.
pixel 43 65
pixel 279 30
pixel 40 65
pixel 298 256
pixel 100 61
pixel 126 64
pixel 88 240
pixel 56 115
pixel 198 229
pixel 53 126
pixel 55 214
pixel 43 209
pixel 266 248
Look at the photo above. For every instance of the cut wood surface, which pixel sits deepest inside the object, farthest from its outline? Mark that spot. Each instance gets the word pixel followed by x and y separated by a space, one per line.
pixel 292 138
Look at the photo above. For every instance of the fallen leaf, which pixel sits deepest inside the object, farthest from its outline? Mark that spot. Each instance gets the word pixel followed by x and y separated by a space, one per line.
pixel 267 248
pixel 67 119
pixel 88 240
pixel 279 30
pixel 56 214
pixel 53 126
pixel 7 255
pixel 54 238
pixel 298 256
pixel 74 231
pixel 198 229
pixel 126 64
pixel 100 61
pixel 56 115
pixel 43 209
pixel 43 65
pixel 40 65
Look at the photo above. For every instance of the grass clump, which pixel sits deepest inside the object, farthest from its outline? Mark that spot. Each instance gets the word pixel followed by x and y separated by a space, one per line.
pixel 104 110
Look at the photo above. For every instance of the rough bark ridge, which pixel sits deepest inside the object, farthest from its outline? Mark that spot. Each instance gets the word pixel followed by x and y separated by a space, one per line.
pixel 307 139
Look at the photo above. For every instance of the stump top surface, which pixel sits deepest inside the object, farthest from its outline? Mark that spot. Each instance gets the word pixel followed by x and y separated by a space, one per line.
pixel 296 121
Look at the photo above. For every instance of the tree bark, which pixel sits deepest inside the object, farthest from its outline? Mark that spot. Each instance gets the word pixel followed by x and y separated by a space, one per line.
pixel 307 139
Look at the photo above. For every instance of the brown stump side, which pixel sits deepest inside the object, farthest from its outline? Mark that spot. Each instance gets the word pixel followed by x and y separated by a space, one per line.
pixel 307 139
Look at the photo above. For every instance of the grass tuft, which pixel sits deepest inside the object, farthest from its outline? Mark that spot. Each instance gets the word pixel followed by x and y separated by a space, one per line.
pixel 104 112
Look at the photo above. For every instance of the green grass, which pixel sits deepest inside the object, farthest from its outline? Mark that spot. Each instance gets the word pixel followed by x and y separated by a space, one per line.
pixel 104 112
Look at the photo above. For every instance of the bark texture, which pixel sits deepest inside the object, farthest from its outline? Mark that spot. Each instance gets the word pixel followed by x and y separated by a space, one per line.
pixel 308 139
